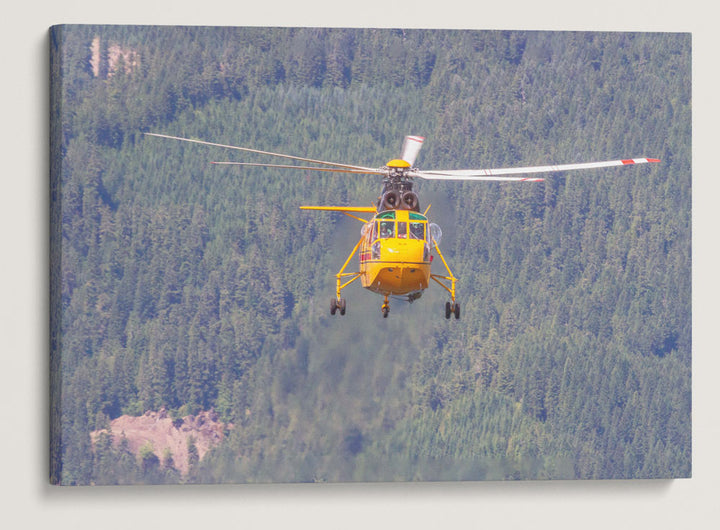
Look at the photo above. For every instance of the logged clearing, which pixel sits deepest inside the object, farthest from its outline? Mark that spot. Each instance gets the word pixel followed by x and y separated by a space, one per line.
pixel 163 433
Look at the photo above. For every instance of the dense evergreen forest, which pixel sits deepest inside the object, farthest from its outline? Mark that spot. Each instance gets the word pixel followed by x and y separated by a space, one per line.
pixel 188 286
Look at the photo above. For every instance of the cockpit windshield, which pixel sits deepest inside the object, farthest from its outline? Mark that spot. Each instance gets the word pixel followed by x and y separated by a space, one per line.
pixel 417 230
pixel 402 229
pixel 387 229
pixel 386 226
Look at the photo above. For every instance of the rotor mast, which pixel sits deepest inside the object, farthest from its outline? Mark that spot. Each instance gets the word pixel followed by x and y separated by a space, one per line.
pixel 397 191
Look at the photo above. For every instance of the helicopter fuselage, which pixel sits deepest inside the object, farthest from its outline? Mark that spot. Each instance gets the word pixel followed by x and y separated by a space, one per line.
pixel 395 254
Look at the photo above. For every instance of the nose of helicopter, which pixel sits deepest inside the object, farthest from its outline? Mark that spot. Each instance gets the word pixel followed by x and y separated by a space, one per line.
pixel 401 268
pixel 402 250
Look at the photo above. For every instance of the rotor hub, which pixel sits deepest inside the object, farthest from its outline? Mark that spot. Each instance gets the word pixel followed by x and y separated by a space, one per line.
pixel 398 163
pixel 397 178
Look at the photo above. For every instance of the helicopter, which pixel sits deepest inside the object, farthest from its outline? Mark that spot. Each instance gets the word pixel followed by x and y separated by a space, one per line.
pixel 396 243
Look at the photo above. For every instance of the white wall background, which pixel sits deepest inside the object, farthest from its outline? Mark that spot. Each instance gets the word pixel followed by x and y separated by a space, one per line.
pixel 29 502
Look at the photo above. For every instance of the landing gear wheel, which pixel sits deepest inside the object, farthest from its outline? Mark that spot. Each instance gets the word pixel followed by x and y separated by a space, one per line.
pixel 385 311
pixel 343 305
pixel 333 306
pixel 452 309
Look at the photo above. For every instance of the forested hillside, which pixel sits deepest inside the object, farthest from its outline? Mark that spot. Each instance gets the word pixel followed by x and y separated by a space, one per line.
pixel 182 285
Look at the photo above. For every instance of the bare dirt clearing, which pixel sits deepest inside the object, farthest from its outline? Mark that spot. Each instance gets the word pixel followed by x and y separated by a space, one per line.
pixel 163 433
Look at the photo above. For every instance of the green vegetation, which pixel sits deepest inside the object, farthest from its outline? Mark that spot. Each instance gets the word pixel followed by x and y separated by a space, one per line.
pixel 188 286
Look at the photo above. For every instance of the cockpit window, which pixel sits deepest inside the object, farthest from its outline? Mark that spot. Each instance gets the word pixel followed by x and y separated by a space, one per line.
pixel 402 229
pixel 387 229
pixel 417 230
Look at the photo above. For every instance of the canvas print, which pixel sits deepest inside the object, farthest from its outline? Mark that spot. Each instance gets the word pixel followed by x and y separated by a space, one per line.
pixel 368 255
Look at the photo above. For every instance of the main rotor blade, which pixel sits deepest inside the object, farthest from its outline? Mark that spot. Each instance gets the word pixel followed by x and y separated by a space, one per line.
pixel 433 176
pixel 494 174
pixel 248 150
pixel 411 148
pixel 287 166
pixel 357 209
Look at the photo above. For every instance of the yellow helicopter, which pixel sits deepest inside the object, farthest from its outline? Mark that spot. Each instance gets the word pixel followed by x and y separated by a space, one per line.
pixel 396 244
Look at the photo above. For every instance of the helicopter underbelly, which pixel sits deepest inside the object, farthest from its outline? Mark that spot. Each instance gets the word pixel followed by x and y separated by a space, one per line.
pixel 398 267
pixel 395 277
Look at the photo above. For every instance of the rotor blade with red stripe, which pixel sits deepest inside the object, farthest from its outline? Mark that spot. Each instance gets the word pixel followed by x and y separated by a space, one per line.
pixel 498 174
pixel 411 148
